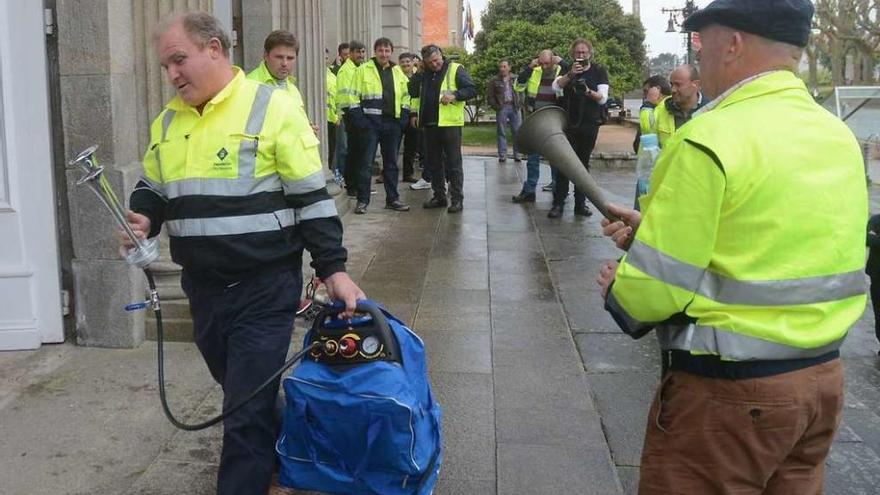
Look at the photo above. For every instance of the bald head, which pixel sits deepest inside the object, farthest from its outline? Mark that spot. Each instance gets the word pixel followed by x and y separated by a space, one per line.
pixel 685 83
pixel 546 59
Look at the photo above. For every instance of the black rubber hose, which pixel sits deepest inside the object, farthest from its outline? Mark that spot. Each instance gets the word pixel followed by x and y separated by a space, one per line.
pixel 160 338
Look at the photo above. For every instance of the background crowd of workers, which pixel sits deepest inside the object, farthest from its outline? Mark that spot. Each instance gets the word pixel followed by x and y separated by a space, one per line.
pixel 379 103
pixel 746 258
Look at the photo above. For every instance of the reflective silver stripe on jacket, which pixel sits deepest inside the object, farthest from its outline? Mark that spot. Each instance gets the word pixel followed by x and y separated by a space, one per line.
pixel 373 111
pixel 166 123
pixel 243 186
pixel 734 346
pixel 247 149
pixel 371 96
pixel 307 184
pixel 241 224
pixel 726 290
pixel 321 209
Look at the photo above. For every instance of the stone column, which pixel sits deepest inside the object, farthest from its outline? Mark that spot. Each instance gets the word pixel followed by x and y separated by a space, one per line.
pixel 111 88
pixel 415 25
pixel 96 66
pixel 258 19
pixel 332 25
pixel 395 23
pixel 305 19
pixel 361 20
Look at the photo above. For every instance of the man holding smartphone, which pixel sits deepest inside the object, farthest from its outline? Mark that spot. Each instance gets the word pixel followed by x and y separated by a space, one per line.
pixel 585 90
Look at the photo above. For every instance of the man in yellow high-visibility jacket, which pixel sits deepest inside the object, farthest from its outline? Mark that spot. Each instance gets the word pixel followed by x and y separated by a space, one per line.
pixel 380 109
pixel 280 50
pixel 345 93
pixel 748 260
pixel 233 173
pixel 442 89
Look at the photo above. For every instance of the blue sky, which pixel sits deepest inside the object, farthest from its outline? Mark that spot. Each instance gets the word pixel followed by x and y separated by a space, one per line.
pixel 655 22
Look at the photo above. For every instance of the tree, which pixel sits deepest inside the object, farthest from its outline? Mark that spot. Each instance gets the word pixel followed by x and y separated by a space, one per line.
pixel 606 18
pixel 847 29
pixel 519 41
pixel 664 64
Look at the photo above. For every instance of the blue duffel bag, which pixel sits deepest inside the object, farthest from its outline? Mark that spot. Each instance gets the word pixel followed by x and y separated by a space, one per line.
pixel 360 417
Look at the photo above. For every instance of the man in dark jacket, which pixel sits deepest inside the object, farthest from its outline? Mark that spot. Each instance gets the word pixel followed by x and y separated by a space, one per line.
pixel 501 97
pixel 585 90
pixel 442 88
pixel 873 269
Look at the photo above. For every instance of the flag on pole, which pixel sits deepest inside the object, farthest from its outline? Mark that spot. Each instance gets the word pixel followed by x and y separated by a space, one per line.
pixel 467 30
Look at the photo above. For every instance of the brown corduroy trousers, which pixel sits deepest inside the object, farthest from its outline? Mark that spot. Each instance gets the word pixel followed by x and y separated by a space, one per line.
pixel 756 436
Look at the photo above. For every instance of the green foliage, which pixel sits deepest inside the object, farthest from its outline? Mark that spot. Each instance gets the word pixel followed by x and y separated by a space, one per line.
pixel 519 41
pixel 606 18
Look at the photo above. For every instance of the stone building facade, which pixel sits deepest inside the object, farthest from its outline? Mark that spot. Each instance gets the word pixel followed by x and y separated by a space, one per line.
pixel 101 84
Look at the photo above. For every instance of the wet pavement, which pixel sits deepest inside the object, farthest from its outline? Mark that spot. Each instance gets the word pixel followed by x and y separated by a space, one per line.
pixel 541 393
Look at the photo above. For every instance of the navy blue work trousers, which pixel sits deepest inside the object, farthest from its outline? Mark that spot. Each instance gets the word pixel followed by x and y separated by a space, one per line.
pixel 388 139
pixel 243 331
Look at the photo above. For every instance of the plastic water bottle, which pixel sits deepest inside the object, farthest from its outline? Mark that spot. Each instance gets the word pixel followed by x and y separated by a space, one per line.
pixel 649 149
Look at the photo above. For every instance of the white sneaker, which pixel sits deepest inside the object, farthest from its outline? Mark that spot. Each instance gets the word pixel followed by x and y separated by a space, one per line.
pixel 420 184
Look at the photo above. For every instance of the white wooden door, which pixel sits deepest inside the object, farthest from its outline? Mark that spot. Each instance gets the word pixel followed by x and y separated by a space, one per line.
pixel 30 292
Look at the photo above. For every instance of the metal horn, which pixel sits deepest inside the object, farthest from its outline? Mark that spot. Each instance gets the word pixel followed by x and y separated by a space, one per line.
pixel 543 133
pixel 145 251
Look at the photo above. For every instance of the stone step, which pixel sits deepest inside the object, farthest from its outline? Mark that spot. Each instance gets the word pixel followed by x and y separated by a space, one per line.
pixel 174 329
pixel 175 308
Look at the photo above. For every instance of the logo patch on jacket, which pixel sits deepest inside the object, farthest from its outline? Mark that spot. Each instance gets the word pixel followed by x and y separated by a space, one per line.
pixel 222 164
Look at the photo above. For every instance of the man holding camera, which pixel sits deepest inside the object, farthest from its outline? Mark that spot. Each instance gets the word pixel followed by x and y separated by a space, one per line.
pixel 585 90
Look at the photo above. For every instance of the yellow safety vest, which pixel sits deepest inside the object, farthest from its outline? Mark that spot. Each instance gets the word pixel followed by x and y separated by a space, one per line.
pixel 368 90
pixel 262 74
pixel 249 141
pixel 754 229
pixel 532 86
pixel 451 115
pixel 664 122
pixel 330 83
pixel 345 92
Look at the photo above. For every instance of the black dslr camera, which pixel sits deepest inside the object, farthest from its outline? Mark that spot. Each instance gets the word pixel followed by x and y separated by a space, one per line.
pixel 579 85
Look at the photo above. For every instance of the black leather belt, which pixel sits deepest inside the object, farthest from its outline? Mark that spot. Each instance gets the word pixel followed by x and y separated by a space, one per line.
pixel 715 367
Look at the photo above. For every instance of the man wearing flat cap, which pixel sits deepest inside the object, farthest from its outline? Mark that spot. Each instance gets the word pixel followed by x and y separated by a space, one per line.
pixel 747 259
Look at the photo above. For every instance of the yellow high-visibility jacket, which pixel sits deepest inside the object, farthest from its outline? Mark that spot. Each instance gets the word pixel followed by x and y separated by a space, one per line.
pixel 752 241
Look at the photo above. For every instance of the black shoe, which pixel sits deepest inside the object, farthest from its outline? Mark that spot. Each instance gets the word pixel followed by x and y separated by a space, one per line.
pixel 502 160
pixel 435 203
pixel 455 207
pixel 524 197
pixel 582 211
pixel 360 209
pixel 555 211
pixel 397 205
pixel 516 159
pixel 409 178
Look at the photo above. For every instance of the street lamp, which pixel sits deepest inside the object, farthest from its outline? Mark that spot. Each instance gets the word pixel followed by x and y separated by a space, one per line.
pixel 676 19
